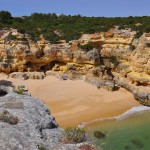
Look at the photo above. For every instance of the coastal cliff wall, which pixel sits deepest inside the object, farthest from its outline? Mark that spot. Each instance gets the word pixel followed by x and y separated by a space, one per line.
pixel 114 58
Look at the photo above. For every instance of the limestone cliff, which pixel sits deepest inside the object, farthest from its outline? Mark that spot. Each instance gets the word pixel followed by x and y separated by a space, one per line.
pixel 117 58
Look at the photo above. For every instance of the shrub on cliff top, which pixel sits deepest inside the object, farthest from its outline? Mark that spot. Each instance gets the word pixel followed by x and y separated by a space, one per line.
pixel 138 35
pixel 114 60
pixel 70 27
pixel 5 17
pixel 86 47
pixel 12 37
pixel 23 39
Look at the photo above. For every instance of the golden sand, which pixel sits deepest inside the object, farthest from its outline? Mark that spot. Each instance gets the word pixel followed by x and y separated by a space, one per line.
pixel 73 102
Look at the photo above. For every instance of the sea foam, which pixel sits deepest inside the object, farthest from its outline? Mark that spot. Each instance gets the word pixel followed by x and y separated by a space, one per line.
pixel 133 111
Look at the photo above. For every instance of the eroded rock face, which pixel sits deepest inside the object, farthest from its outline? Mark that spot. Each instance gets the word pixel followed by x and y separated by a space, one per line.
pixel 35 126
pixel 115 53
pixel 27 75
pixel 91 57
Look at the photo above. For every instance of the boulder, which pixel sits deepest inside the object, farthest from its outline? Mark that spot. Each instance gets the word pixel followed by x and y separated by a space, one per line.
pixel 99 134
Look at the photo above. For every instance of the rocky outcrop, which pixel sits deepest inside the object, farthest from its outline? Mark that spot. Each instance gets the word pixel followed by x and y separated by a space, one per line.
pixel 130 63
pixel 141 94
pixel 115 53
pixel 27 124
pixel 27 75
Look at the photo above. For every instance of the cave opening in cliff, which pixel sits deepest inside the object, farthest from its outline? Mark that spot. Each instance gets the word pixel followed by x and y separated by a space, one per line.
pixel 141 84
pixel 2 93
pixel 28 64
pixel 44 69
pixel 54 63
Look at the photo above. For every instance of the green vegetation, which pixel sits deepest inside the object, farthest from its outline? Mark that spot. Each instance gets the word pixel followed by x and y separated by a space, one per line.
pixel 5 17
pixel 138 34
pixel 54 27
pixel 12 37
pixel 114 60
pixel 74 135
pixel 42 148
pixel 19 90
pixel 86 47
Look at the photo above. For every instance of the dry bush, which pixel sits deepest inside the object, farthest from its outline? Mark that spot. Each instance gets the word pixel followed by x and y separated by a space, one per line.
pixel 88 147
pixel 74 135
pixel 5 116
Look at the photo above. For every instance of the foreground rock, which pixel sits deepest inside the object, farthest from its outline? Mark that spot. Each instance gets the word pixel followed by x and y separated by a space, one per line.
pixel 34 127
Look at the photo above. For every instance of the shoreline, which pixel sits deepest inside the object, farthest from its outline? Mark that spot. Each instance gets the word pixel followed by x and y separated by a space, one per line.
pixel 72 102
pixel 137 110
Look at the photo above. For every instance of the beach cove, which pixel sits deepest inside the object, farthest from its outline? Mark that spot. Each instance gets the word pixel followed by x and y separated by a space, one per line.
pixel 72 102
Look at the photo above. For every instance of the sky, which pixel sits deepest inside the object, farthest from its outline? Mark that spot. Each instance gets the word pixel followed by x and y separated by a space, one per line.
pixel 106 8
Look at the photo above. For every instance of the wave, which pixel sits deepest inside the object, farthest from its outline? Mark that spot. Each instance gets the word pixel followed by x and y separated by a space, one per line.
pixel 133 111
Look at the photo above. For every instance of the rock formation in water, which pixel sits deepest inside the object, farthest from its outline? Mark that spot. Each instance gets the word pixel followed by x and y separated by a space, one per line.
pixel 116 57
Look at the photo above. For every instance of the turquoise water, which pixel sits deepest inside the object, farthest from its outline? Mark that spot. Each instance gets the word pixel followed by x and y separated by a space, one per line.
pixel 132 133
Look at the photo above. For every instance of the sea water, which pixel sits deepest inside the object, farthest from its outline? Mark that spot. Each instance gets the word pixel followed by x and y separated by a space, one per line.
pixel 129 131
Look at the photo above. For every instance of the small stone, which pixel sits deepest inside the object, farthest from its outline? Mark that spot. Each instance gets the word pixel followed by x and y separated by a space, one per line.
pixel 99 134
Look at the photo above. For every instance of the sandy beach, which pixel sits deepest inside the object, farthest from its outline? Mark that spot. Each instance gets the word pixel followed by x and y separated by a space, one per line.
pixel 73 102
